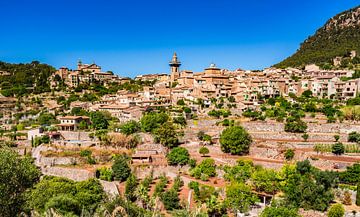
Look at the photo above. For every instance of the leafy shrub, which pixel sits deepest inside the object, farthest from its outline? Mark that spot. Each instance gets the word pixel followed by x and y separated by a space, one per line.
pixel 294 125
pixel 130 188
pixel 289 154
pixel 170 199
pixel 206 167
pixel 130 127
pixel 204 151
pixel 235 140
pixel 121 168
pixel 338 148
pixel 104 173
pixel 178 156
pixel 336 210
pixel 160 186
pixel 85 153
pixel 354 137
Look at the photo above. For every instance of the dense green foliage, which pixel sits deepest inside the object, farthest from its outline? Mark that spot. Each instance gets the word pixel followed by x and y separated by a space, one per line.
pixel 235 140
pixel 152 121
pixel 289 154
pixel 130 127
pixel 65 196
pixel 17 174
pixel 171 198
pixel 241 172
pixel 278 209
pixel 295 125
pixel 308 187
pixel 354 137
pixel 240 197
pixel 265 180
pixel 130 187
pixel 178 156
pixel 46 118
pixel 166 135
pixel 204 170
pixel 121 168
pixel 219 113
pixel 204 151
pixel 351 175
pixel 330 41
pixel 25 78
pixel 160 186
pixel 336 210
pixel 338 148
pixel 99 120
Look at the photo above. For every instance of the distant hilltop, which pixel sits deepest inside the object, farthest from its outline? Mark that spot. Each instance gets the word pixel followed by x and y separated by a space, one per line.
pixel 336 44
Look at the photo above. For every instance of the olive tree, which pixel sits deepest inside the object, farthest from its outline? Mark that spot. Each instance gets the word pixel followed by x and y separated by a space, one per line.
pixel 235 140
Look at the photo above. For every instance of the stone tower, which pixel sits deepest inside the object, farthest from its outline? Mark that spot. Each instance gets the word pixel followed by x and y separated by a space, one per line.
pixel 174 68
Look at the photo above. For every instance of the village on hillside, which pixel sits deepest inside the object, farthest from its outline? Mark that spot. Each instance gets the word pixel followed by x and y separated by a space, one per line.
pixel 196 134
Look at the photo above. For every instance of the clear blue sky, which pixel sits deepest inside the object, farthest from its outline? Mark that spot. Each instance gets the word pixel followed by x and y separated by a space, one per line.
pixel 133 37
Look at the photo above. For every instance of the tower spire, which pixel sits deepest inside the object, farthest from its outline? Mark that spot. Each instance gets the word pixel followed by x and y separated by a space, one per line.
pixel 174 67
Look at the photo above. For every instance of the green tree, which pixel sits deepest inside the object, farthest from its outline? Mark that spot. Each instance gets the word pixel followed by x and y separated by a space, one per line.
pixel 206 168
pixel 295 125
pixel 338 148
pixel 289 154
pixel 180 120
pixel 309 188
pixel 307 94
pixel 278 209
pixel 65 194
pixel 354 137
pixel 239 197
pixel 305 136
pixel 200 135
pixel 46 118
pixel 130 127
pixel 178 156
pixel 99 120
pixel 170 199
pixel 130 188
pixel 65 204
pixel 83 125
pixel 265 180
pixel 121 168
pixel 241 172
pixel 204 151
pixel 351 175
pixel 17 175
pixel 337 137
pixel 152 121
pixel 180 102
pixel 235 140
pixel 167 135
pixel 336 210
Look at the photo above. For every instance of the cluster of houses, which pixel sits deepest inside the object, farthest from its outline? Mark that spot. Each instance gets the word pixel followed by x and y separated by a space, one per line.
pixel 245 87
pixel 85 74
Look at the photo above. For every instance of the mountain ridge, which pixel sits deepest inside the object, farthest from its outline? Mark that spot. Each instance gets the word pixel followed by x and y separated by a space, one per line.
pixel 337 37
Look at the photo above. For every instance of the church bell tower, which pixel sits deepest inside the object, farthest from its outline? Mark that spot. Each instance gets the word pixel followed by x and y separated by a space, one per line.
pixel 174 68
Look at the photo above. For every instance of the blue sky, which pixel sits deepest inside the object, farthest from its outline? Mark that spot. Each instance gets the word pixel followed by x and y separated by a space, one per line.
pixel 133 37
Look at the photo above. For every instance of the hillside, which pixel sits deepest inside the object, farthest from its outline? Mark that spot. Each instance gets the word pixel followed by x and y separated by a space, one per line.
pixel 339 36
pixel 19 79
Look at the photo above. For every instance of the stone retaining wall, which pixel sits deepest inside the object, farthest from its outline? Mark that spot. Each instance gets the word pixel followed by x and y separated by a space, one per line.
pixel 52 161
pixel 69 135
pixel 70 173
